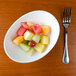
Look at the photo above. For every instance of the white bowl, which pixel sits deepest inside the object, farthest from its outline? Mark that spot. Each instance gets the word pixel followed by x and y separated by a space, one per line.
pixel 38 17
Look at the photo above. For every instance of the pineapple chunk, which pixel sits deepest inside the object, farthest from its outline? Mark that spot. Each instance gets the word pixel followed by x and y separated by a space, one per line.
pixel 39 47
pixel 45 40
pixel 24 47
pixel 28 35
pixel 18 40
pixel 36 38
pixel 30 25
pixel 30 52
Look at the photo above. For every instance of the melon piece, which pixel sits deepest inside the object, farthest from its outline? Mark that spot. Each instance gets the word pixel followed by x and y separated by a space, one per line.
pixel 30 52
pixel 24 47
pixel 25 25
pixel 36 29
pixel 18 40
pixel 36 38
pixel 21 31
pixel 45 29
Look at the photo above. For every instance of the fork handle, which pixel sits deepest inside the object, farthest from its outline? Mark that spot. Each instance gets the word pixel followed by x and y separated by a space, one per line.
pixel 65 55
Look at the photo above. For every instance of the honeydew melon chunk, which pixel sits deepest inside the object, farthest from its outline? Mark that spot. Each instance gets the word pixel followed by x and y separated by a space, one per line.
pixel 24 47
pixel 30 52
pixel 36 38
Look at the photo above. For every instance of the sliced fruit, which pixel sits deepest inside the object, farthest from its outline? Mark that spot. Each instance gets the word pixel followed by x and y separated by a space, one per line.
pixel 18 40
pixel 24 47
pixel 45 40
pixel 21 31
pixel 39 47
pixel 45 29
pixel 36 29
pixel 30 52
pixel 36 38
pixel 28 35
pixel 25 42
pixel 30 25
pixel 25 25
pixel 32 43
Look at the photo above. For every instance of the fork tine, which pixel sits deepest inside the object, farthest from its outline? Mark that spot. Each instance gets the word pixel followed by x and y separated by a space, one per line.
pixel 65 14
pixel 67 10
pixel 70 11
pixel 63 17
pixel 69 14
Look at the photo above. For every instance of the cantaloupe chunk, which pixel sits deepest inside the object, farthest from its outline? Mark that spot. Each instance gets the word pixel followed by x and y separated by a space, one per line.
pixel 46 29
pixel 18 40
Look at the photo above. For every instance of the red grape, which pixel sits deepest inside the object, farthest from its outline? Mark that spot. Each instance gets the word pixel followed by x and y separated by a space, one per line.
pixel 32 43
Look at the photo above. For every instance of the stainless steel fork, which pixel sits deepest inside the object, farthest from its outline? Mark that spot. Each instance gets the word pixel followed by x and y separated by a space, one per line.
pixel 66 19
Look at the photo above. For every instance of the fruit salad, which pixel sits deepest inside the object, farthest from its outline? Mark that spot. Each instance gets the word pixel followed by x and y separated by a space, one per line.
pixel 32 37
